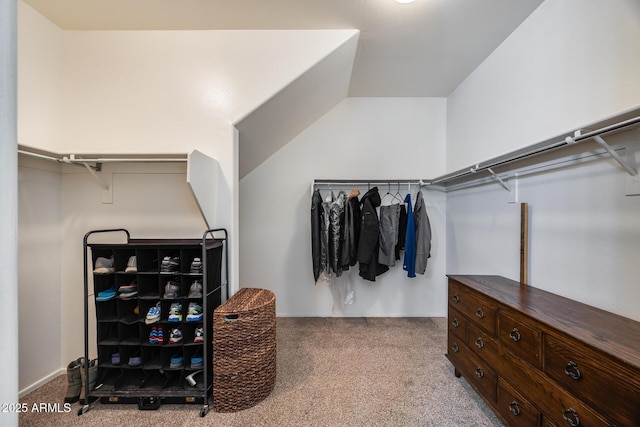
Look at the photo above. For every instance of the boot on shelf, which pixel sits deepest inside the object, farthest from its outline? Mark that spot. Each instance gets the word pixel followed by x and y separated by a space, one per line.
pixel 93 376
pixel 74 382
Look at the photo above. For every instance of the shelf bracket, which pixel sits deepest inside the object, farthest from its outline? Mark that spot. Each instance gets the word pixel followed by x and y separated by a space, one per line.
pixel 92 169
pixel 630 170
pixel 500 180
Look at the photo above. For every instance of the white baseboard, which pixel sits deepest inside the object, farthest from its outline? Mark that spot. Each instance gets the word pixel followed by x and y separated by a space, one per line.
pixel 41 382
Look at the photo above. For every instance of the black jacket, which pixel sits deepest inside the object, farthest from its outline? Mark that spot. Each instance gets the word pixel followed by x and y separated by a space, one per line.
pixel 349 252
pixel 316 214
pixel 368 242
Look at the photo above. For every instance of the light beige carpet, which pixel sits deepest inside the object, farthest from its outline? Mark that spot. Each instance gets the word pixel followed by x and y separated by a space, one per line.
pixel 330 372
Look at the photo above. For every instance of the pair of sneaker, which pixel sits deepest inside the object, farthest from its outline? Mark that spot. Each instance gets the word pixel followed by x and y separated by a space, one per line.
pixel 172 289
pixel 128 291
pixel 156 336
pixel 170 265
pixel 107 294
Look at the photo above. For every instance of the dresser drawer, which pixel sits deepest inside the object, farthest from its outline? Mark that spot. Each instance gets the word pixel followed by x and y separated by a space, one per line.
pixel 454 346
pixel 457 324
pixel 516 409
pixel 519 338
pixel 594 378
pixel 477 372
pixel 484 346
pixel 477 309
pixel 573 412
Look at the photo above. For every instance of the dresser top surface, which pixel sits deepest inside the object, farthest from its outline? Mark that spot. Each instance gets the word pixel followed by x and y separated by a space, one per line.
pixel 609 332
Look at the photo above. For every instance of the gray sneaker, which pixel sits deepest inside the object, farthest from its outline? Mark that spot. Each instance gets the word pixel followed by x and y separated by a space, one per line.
pixel 132 265
pixel 196 266
pixel 103 265
pixel 172 289
pixel 195 291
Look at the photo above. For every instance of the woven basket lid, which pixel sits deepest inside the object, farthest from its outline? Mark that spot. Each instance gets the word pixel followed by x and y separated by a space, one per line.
pixel 245 300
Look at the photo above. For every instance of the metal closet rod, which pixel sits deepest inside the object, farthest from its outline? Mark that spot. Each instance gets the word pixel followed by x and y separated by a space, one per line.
pixel 71 159
pixel 365 181
pixel 534 150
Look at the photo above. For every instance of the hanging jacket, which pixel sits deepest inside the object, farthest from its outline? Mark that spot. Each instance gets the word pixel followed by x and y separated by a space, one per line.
pixel 423 234
pixel 316 213
pixel 409 263
pixel 368 242
pixel 349 250
pixel 402 230
pixel 324 234
pixel 336 232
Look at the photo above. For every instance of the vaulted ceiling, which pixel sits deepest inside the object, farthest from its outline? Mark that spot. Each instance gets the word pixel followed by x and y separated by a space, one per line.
pixel 421 49
pixel 425 48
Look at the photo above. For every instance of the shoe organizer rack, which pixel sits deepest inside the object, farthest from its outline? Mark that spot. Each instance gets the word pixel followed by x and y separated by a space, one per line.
pixel 145 356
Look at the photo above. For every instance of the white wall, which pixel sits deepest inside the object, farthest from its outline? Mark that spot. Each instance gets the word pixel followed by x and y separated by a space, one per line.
pixel 571 63
pixel 130 92
pixel 583 230
pixel 151 201
pixel 174 121
pixel 40 301
pixel 41 98
pixel 361 138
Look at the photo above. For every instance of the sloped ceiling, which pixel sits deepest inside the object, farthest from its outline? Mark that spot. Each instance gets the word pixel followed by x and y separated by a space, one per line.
pixel 423 49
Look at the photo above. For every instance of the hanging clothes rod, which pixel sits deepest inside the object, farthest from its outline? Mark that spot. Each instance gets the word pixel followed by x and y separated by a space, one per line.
pixel 72 159
pixel 536 149
pixel 365 181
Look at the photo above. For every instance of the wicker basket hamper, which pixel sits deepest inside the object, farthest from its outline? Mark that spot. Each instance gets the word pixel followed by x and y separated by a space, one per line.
pixel 244 350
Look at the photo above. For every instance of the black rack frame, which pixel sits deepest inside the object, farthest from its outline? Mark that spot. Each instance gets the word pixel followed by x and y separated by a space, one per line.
pixel 153 402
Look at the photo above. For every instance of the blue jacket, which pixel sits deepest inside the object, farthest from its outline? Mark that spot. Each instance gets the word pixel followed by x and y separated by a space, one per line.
pixel 409 263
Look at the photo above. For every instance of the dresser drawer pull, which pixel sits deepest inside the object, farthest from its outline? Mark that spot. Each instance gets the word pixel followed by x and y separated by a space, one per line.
pixel 455 323
pixel 479 372
pixel 515 335
pixel 480 313
pixel 571 416
pixel 455 348
pixel 479 343
pixel 514 407
pixel 572 370
pixel 456 298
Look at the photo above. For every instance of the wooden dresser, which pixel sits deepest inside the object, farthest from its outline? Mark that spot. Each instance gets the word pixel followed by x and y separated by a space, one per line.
pixel 539 359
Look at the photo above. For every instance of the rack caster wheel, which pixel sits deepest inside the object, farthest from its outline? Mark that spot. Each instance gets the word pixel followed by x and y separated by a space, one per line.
pixel 204 411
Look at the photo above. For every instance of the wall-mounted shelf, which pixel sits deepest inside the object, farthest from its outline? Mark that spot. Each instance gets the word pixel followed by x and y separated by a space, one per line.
pixel 601 129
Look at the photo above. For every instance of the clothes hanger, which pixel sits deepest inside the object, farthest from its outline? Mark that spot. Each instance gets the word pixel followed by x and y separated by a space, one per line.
pixel 398 196
pixel 388 193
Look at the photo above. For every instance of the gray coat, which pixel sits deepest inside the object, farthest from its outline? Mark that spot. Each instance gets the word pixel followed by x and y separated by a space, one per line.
pixel 423 234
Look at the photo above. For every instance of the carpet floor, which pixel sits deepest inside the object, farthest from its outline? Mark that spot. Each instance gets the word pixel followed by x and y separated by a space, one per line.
pixel 330 372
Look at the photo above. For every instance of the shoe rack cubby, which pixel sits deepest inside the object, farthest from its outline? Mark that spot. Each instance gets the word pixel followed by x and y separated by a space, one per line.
pixel 134 364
